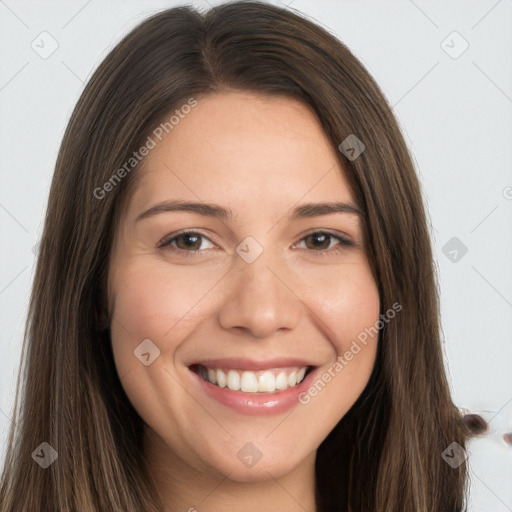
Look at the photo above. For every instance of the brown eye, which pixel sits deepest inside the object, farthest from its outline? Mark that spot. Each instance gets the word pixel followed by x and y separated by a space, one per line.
pixel 188 241
pixel 322 240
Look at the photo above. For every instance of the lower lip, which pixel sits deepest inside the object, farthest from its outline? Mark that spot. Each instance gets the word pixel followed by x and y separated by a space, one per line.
pixel 252 403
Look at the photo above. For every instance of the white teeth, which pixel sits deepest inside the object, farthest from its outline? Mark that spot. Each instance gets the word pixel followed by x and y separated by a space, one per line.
pixel 281 381
pixel 248 382
pixel 233 380
pixel 268 381
pixel 221 379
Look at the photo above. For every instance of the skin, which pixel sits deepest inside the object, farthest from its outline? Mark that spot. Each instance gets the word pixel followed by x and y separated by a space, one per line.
pixel 260 156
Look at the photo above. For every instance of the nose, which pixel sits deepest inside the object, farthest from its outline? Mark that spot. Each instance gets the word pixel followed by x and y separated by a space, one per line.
pixel 260 298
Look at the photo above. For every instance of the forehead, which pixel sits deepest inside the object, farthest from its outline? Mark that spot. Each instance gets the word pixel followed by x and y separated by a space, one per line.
pixel 245 150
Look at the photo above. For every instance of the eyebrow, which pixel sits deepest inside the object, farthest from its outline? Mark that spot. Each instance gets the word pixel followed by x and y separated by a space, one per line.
pixel 226 214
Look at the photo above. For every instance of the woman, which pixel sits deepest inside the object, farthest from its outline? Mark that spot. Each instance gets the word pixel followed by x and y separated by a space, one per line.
pixel 191 343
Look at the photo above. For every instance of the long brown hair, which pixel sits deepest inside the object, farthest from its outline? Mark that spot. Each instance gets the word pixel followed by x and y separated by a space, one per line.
pixel 385 453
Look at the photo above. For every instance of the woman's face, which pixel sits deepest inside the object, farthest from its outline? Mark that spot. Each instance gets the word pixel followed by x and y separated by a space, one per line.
pixel 260 290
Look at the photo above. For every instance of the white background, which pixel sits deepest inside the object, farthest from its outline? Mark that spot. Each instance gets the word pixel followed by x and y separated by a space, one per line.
pixel 456 116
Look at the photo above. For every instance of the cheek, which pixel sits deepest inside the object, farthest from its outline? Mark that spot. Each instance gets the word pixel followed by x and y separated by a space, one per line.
pixel 348 304
pixel 152 303
pixel 349 307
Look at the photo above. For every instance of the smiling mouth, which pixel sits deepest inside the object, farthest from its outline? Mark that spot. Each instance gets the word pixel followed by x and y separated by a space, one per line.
pixel 263 381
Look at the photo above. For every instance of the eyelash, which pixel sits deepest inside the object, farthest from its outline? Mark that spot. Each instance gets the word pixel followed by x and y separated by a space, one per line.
pixel 165 244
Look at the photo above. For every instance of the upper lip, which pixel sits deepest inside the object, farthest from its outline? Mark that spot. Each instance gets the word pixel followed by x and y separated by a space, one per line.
pixel 241 363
